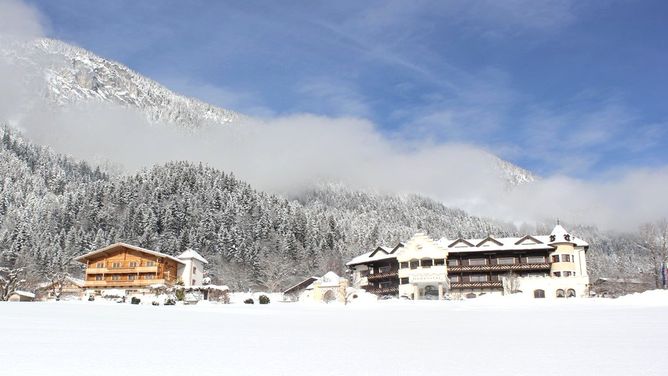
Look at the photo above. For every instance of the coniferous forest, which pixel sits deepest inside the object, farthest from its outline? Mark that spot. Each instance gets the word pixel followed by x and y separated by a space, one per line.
pixel 53 208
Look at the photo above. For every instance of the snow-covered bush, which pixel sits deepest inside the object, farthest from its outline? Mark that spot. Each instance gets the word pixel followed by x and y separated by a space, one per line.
pixel 263 299
pixel 249 301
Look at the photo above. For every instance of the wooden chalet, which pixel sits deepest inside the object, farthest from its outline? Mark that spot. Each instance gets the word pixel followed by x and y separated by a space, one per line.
pixel 126 266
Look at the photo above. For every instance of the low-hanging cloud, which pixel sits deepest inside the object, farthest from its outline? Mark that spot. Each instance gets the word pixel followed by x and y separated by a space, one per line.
pixel 20 20
pixel 292 153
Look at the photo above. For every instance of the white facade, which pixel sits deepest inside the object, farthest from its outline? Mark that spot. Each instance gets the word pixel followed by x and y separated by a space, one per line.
pixel 329 287
pixel 422 270
pixel 541 266
pixel 192 272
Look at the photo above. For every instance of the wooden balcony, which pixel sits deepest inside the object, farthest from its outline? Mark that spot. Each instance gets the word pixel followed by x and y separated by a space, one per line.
pixel 498 268
pixel 469 285
pixel 138 269
pixel 386 275
pixel 113 284
pixel 382 290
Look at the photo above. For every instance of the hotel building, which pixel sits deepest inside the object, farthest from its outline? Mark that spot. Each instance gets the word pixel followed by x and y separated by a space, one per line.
pixel 543 266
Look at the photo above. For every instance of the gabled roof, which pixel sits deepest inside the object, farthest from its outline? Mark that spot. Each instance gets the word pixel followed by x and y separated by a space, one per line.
pixel 75 281
pixel 367 258
pixel 301 285
pixel 399 245
pixel 191 253
pixel 383 249
pixel 27 294
pixel 112 247
pixel 460 240
pixel 528 237
pixel 488 239
pixel 330 279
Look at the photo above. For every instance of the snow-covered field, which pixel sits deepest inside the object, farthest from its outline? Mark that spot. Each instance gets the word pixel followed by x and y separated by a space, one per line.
pixel 627 336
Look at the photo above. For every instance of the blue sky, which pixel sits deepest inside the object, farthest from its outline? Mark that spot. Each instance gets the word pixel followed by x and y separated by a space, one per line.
pixel 557 87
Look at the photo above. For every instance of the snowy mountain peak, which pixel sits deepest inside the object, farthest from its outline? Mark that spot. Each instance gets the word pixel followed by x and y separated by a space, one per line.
pixel 71 75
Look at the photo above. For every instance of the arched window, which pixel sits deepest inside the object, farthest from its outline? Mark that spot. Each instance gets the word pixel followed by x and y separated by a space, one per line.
pixel 570 293
pixel 560 293
pixel 538 294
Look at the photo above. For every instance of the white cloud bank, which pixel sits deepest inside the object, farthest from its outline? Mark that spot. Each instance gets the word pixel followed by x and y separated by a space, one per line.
pixel 20 20
pixel 291 153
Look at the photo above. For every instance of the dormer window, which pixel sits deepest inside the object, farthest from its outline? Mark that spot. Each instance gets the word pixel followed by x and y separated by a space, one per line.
pixel 567 237
pixel 553 238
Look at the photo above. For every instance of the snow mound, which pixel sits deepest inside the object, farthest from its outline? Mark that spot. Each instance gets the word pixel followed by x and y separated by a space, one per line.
pixel 650 297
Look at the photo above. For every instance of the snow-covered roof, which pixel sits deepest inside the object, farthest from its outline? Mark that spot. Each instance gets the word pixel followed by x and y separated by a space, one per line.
pixel 301 285
pixel 116 245
pixel 378 254
pixel 560 235
pixel 191 253
pixel 489 244
pixel 330 279
pixel 75 281
pixel 525 243
pixel 24 293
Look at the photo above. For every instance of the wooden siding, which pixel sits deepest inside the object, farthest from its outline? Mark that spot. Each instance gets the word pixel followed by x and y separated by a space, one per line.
pixel 125 267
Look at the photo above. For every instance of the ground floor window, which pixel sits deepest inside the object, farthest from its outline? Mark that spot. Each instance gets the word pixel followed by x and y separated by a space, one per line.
pixel 538 294
pixel 570 293
pixel 403 281
pixel 561 293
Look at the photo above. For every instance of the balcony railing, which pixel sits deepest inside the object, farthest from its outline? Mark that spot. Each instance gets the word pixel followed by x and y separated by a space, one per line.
pixel 138 269
pixel 488 268
pixel 135 283
pixel 383 290
pixel 465 285
pixel 379 276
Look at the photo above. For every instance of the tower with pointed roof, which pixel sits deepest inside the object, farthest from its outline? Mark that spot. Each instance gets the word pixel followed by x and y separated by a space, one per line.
pixel 566 259
pixel 192 270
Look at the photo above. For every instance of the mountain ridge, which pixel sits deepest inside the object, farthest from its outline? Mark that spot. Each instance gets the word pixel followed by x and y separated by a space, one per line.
pixel 68 74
